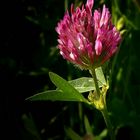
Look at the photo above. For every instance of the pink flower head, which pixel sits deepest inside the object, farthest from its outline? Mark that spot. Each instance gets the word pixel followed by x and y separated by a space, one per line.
pixel 87 39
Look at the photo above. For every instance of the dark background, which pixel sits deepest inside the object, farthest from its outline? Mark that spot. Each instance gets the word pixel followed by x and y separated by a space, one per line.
pixel 28 52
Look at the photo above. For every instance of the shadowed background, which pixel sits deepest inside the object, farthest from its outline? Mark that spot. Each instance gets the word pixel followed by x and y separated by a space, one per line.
pixel 28 52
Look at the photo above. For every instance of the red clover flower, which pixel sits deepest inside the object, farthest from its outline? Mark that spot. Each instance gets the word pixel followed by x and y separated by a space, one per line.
pixel 87 39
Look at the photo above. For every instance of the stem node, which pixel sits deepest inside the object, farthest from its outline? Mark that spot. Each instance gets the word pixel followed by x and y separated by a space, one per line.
pixel 98 99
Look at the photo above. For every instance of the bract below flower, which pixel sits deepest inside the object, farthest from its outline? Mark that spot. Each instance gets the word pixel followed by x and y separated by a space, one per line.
pixel 87 39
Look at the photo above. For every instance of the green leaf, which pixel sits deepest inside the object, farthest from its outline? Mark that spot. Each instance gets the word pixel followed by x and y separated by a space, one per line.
pixel 72 134
pixel 87 126
pixel 103 134
pixel 100 76
pixel 67 88
pixel 54 95
pixel 84 84
pixel 70 91
pixel 30 127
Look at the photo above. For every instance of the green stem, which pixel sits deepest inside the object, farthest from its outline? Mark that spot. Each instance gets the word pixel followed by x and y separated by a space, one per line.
pixel 95 83
pixel 108 123
pixel 102 100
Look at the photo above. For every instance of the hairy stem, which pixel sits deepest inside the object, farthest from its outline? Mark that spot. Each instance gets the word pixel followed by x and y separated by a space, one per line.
pixel 108 123
pixel 101 99
pixel 95 83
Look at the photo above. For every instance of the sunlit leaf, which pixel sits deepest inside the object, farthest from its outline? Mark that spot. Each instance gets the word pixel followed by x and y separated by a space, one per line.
pixel 54 95
pixel 100 76
pixel 66 87
pixel 83 84
pixel 86 84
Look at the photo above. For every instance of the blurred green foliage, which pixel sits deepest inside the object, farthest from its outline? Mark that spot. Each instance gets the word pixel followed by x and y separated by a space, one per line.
pixel 28 52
